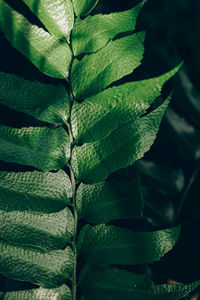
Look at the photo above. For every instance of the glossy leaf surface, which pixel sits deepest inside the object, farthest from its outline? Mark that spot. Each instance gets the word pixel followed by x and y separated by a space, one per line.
pixel 39 147
pixel 97 116
pixel 60 293
pixel 95 72
pixel 35 191
pixel 83 7
pixel 46 269
pixel 48 54
pixel 93 162
pixel 92 33
pixel 103 244
pixel 46 102
pixel 48 231
pixel 57 16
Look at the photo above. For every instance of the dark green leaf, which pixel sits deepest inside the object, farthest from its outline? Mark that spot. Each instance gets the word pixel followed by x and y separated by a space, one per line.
pixel 97 71
pixel 112 284
pixel 83 7
pixel 60 293
pixel 103 244
pixel 36 191
pixel 48 54
pixel 46 269
pixel 45 102
pixel 110 200
pixel 170 291
pixel 93 162
pixel 57 16
pixel 92 33
pixel 48 231
pixel 99 115
pixel 40 147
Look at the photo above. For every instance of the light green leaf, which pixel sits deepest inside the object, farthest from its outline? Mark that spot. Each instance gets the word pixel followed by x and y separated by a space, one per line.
pixel 93 162
pixel 46 269
pixel 96 117
pixel 57 16
pixel 103 244
pixel 113 284
pixel 47 231
pixel 95 72
pixel 110 200
pixel 36 191
pixel 41 147
pixel 84 7
pixel 60 293
pixel 45 102
pixel 48 54
pixel 92 33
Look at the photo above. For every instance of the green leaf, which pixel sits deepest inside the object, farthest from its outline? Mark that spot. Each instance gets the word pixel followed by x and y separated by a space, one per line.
pixel 36 191
pixel 48 54
pixel 112 284
pixel 99 115
pixel 97 71
pixel 170 291
pixel 60 293
pixel 47 231
pixel 93 162
pixel 103 244
pixel 84 7
pixel 41 147
pixel 46 269
pixel 57 16
pixel 46 102
pixel 93 33
pixel 109 200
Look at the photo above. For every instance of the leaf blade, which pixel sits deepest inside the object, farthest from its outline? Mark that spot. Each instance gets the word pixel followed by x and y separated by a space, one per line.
pixel 114 284
pixel 96 117
pixel 93 32
pixel 95 72
pixel 93 162
pixel 35 146
pixel 48 270
pixel 60 293
pixel 58 17
pixel 47 231
pixel 84 7
pixel 109 200
pixel 35 43
pixel 36 191
pixel 103 244
pixel 45 102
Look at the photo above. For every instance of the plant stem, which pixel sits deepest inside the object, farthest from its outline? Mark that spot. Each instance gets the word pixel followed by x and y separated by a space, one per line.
pixel 74 284
pixel 75 213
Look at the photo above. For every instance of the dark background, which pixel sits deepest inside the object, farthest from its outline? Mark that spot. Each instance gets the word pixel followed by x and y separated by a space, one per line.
pixel 170 171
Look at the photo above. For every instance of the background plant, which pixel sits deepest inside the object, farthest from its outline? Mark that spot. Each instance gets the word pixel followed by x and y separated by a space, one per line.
pixel 35 219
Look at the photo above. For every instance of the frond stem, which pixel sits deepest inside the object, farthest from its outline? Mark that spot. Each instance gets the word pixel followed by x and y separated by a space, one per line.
pixel 75 213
